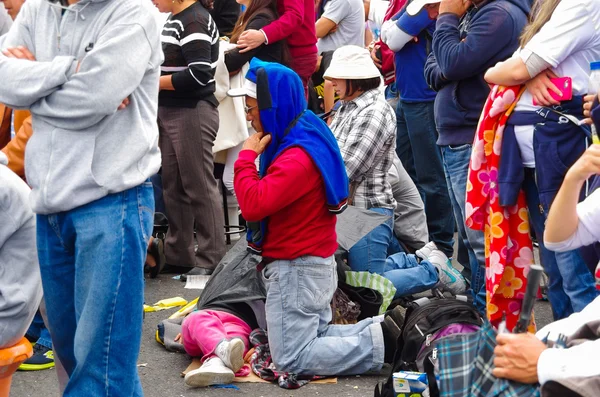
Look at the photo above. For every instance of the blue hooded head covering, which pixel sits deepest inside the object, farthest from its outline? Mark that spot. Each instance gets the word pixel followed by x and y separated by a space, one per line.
pixel 283 114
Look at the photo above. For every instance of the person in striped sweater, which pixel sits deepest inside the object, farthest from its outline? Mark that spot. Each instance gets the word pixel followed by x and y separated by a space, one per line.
pixel 188 121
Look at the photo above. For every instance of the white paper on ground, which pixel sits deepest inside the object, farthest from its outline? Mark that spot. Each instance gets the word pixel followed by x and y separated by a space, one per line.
pixel 196 282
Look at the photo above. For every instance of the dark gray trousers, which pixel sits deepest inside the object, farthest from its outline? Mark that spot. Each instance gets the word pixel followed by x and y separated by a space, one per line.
pixel 190 190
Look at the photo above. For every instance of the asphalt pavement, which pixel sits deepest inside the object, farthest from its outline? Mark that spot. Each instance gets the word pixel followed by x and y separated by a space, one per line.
pixel 160 370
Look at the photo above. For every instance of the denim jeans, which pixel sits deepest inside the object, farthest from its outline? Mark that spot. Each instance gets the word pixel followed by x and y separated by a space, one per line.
pixel 408 275
pixel 91 261
pixel 298 314
pixel 38 329
pixel 571 286
pixel 416 147
pixel 456 167
pixel 370 253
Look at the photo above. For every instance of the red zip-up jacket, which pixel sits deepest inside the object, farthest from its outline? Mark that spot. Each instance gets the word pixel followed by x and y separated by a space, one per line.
pixel 296 23
pixel 292 199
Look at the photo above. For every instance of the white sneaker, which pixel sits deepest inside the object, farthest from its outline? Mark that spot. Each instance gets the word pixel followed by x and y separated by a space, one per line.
pixel 232 353
pixel 212 372
pixel 449 276
pixel 424 252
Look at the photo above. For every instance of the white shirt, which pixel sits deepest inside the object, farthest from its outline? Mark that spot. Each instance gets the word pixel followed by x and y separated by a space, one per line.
pixel 568 42
pixel 349 16
pixel 588 230
pixel 580 360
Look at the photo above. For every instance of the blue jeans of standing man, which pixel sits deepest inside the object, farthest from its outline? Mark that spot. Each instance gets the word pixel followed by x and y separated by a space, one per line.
pixel 416 147
pixel 370 252
pixel 571 286
pixel 456 167
pixel 298 314
pixel 91 261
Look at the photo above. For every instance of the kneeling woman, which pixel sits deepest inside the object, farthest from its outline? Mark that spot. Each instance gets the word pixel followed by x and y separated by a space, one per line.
pixel 365 130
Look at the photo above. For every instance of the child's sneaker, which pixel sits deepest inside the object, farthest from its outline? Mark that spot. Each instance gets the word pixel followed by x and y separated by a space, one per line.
pixel 42 358
pixel 449 276
pixel 231 353
pixel 212 372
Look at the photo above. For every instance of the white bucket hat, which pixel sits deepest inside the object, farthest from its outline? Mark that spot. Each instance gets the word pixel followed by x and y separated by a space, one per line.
pixel 351 62
pixel 417 5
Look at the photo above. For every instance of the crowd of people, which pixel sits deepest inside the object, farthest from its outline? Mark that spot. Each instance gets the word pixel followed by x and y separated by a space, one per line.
pixel 470 119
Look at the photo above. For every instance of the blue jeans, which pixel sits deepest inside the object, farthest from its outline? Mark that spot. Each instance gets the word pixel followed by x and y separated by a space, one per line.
pixel 91 261
pixel 408 275
pixel 416 147
pixel 370 253
pixel 38 329
pixel 298 314
pixel 456 167
pixel 571 286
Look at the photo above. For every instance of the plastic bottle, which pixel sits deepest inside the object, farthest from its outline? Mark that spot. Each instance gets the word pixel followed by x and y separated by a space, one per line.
pixel 594 88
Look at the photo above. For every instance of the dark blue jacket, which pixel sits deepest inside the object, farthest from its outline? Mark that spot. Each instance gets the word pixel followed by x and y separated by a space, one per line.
pixel 462 51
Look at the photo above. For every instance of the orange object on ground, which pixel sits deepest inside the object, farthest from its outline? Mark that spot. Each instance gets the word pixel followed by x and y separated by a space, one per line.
pixel 10 359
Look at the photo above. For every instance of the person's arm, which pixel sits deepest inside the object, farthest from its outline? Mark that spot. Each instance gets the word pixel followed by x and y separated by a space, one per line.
pixel 405 29
pixel 112 70
pixel 460 59
pixel 365 141
pixel 15 150
pixel 324 26
pixel 433 75
pixel 234 59
pixel 570 225
pixel 27 81
pixel 281 28
pixel 260 198
pixel 334 13
pixel 508 73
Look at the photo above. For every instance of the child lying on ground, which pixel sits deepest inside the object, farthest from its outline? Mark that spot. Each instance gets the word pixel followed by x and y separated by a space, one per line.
pixel 220 337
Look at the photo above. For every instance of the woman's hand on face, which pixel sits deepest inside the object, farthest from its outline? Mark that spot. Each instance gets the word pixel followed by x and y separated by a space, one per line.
pixel 257 142
pixel 540 86
pixel 588 101
pixel 586 166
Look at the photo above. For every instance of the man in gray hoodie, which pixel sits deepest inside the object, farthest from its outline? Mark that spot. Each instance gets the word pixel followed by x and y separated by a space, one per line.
pixel 20 284
pixel 88 71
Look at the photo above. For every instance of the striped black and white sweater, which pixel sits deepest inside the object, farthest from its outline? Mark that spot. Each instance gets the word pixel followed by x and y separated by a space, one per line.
pixel 190 42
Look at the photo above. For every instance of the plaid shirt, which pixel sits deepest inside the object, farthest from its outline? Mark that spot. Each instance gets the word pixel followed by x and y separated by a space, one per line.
pixel 365 129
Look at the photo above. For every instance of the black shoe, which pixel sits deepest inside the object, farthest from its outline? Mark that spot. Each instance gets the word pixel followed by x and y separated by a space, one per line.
pixel 197 271
pixel 397 314
pixel 176 269
pixel 158 253
pixel 391 333
pixel 43 358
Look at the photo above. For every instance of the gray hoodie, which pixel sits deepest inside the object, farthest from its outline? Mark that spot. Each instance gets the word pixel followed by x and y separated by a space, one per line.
pixel 83 148
pixel 20 283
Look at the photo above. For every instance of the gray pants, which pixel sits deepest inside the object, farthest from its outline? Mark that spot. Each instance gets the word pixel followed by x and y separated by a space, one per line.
pixel 190 190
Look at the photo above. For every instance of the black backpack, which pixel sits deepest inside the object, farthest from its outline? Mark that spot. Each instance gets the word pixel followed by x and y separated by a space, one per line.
pixel 416 348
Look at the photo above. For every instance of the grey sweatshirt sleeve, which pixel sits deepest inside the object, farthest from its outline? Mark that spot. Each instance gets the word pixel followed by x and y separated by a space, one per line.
pixel 25 82
pixel 107 75
pixel 20 284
